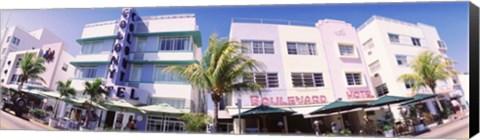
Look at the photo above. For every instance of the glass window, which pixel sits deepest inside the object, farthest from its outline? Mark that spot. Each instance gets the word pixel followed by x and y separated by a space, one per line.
pixel 353 78
pixel 141 44
pixel 416 41
pixel 401 60
pixel 86 72
pixel 136 73
pixel 269 80
pixel 93 47
pixel 346 50
pixel 381 90
pixel 175 44
pixel 162 124
pixel 159 75
pixel 394 38
pixel 441 44
pixel 375 66
pixel 258 47
pixel 307 80
pixel 368 44
pixel 298 48
pixel 65 67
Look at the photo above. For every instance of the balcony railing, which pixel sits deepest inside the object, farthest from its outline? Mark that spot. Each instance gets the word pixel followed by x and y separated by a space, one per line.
pixel 273 21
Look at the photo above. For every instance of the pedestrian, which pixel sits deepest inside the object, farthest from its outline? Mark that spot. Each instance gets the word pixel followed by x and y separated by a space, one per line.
pixel 335 128
pixel 348 126
pixel 316 127
pixel 130 124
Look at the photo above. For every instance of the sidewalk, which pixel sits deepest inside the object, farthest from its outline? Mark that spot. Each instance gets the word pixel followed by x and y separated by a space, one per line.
pixel 42 125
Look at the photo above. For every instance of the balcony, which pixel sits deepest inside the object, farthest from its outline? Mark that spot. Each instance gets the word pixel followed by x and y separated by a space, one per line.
pixel 101 58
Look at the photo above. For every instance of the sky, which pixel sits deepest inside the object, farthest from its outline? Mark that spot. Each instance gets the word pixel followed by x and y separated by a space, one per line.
pixel 450 19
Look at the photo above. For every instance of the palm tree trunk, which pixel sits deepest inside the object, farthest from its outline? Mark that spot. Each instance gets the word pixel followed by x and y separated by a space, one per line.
pixel 215 114
pixel 436 99
pixel 56 110
pixel 21 85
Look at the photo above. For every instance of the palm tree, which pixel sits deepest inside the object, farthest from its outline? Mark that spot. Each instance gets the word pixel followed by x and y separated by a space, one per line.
pixel 220 71
pixel 428 68
pixel 32 67
pixel 94 90
pixel 65 91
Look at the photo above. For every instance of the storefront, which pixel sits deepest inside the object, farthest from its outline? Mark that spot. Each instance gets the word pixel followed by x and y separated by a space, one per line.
pixel 164 124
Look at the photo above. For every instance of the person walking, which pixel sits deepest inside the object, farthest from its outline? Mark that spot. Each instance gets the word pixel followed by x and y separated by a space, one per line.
pixel 316 127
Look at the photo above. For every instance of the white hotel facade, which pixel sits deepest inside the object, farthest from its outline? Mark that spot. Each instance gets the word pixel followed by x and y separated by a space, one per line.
pixel 390 44
pixel 16 42
pixel 129 55
pixel 306 67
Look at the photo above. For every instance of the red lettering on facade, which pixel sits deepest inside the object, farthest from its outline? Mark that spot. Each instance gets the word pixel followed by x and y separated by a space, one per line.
pixel 254 100
pixel 291 100
pixel 315 100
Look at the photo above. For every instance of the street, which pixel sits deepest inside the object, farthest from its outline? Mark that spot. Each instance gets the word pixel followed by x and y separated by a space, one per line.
pixel 454 130
pixel 10 121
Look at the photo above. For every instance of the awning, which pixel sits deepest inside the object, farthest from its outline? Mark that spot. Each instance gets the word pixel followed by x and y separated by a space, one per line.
pixel 121 105
pixel 337 106
pixel 265 110
pixel 160 109
pixel 418 98
pixel 386 100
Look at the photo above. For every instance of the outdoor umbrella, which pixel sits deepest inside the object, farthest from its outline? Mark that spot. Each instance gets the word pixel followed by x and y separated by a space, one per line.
pixel 338 106
pixel 263 111
pixel 387 100
pixel 418 98
pixel 121 105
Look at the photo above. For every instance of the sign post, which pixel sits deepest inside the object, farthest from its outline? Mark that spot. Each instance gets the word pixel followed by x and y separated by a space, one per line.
pixel 239 106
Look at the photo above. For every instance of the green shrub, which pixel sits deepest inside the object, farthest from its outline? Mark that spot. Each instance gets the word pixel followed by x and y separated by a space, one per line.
pixel 196 122
pixel 387 127
pixel 345 132
pixel 39 113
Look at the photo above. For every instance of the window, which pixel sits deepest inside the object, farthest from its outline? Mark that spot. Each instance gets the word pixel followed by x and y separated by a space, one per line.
pixel 295 48
pixel 353 79
pixel 409 84
pixel 374 67
pixel 18 63
pixel 416 41
pixel 258 47
pixel 15 78
pixel 441 44
pixel 307 80
pixel 141 44
pixel 178 103
pixel 401 60
pixel 14 40
pixel 65 67
pixel 174 44
pixel 368 44
pixel 394 38
pixel 346 50
pixel 161 76
pixel 136 73
pixel 381 90
pixel 92 47
pixel 269 80
pixel 157 123
pixel 86 72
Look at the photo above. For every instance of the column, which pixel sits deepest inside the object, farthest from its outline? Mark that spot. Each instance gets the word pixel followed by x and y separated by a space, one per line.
pixel 236 129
